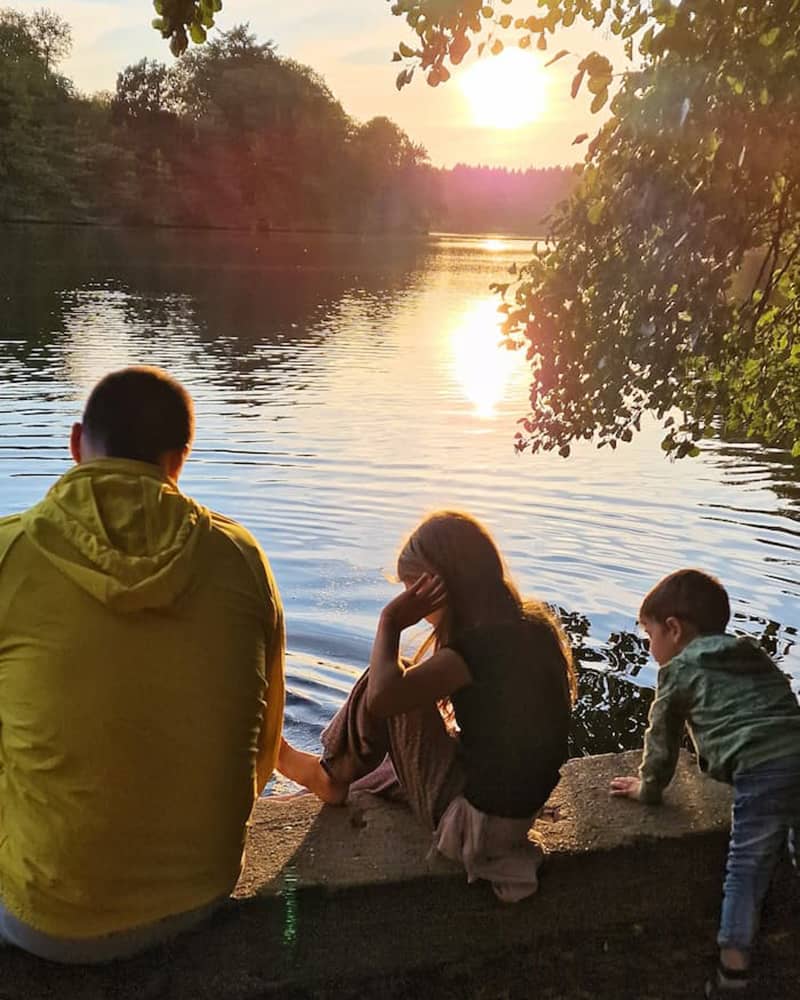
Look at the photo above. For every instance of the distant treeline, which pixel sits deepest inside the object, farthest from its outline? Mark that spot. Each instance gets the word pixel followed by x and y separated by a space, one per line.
pixel 230 135
pixel 493 199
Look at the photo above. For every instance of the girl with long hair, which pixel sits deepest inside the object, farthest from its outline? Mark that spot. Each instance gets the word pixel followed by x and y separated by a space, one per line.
pixel 498 667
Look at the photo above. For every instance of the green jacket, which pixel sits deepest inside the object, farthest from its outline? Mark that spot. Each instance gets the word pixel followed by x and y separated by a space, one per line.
pixel 737 704
pixel 141 698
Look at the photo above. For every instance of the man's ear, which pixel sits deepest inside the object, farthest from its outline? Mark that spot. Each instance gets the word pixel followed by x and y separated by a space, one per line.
pixel 75 442
pixel 172 461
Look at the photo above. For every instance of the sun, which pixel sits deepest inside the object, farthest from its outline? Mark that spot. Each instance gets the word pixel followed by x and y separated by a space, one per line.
pixel 505 91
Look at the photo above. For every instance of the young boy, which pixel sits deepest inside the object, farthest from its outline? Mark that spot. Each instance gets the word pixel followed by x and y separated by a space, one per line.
pixel 744 721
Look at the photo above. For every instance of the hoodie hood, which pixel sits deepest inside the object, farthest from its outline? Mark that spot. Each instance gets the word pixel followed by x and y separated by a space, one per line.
pixel 729 653
pixel 122 531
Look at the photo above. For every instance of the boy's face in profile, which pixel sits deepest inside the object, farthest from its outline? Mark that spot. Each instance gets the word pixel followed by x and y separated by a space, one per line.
pixel 667 638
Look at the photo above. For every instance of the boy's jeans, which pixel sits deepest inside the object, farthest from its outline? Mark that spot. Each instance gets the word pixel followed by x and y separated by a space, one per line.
pixel 766 808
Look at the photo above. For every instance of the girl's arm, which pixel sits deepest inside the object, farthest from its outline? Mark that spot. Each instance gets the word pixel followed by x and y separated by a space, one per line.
pixel 393 689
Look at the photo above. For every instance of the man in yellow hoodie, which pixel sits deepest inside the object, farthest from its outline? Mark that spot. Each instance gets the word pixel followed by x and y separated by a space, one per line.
pixel 141 688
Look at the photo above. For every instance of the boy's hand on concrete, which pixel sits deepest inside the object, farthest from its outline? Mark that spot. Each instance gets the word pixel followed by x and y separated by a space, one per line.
pixel 627 787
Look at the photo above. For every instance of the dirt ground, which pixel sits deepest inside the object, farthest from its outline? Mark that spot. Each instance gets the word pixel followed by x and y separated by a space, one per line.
pixel 632 964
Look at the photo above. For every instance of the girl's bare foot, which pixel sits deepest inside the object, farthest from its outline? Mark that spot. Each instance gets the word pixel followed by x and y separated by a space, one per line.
pixel 307 770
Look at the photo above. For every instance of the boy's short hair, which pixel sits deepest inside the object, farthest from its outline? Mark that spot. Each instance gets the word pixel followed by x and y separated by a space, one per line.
pixel 139 413
pixel 691 596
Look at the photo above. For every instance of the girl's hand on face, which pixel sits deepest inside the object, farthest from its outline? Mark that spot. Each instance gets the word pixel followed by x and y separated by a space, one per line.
pixel 424 596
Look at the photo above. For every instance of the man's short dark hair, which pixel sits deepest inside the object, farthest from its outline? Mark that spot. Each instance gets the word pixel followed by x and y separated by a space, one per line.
pixel 690 596
pixel 139 413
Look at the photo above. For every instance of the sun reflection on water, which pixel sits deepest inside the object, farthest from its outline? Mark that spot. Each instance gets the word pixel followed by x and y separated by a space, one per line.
pixel 481 364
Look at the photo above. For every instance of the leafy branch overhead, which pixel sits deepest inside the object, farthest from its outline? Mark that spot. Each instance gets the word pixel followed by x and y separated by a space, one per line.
pixel 671 276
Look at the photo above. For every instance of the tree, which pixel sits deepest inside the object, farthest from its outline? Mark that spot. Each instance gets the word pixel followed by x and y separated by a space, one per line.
pixel 37 156
pixel 235 134
pixel 231 135
pixel 144 91
pixel 386 177
pixel 385 145
pixel 53 36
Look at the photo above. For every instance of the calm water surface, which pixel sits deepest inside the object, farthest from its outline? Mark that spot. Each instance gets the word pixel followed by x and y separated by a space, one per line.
pixel 345 387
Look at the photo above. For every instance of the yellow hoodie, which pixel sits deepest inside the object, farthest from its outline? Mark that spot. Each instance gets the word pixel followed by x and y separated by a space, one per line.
pixel 141 699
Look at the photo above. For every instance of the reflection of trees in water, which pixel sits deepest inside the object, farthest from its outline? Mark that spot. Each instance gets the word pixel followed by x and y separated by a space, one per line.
pixel 611 712
pixel 246 300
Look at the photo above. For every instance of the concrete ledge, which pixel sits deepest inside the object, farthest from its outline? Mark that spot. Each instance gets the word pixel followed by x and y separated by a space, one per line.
pixel 334 894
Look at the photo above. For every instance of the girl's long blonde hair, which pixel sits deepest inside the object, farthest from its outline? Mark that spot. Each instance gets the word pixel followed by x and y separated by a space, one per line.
pixel 461 551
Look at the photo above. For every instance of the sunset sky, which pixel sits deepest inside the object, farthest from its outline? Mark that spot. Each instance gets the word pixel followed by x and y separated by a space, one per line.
pixel 350 42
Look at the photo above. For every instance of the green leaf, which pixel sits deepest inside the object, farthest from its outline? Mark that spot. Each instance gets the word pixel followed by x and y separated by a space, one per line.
pixel 769 37
pixel 595 212
pixel 406 50
pixel 197 33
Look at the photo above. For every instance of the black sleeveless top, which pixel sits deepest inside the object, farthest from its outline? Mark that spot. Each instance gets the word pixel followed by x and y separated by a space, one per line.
pixel 514 717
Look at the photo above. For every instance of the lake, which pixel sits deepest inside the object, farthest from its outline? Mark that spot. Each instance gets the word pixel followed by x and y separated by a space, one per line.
pixel 345 387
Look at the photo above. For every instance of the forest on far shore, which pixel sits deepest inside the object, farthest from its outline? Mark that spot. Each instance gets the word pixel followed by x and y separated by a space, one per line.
pixel 231 135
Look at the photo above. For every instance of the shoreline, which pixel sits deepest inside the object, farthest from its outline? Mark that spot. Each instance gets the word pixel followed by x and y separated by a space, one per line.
pixel 144 227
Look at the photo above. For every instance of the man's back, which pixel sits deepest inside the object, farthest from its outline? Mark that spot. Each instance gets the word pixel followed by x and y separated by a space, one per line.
pixel 136 630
